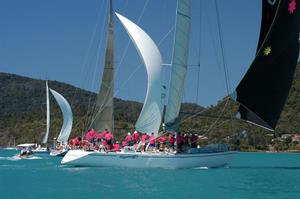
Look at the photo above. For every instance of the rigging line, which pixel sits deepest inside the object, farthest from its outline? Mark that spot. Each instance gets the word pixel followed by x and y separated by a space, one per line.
pixel 225 68
pixel 89 49
pixel 210 29
pixel 223 57
pixel 217 120
pixel 199 53
pixel 89 111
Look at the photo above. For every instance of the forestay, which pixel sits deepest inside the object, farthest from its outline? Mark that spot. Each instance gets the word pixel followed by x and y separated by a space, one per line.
pixel 150 117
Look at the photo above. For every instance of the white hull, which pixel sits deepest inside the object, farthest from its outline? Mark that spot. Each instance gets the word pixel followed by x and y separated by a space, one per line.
pixel 58 153
pixel 40 150
pixel 147 160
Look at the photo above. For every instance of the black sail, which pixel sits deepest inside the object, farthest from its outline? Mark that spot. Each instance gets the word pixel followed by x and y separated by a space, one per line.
pixel 263 90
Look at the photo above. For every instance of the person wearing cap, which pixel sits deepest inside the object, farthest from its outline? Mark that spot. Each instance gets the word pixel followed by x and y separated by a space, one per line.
pixel 129 140
pixel 116 147
pixel 152 141
pixel 109 138
pixel 136 137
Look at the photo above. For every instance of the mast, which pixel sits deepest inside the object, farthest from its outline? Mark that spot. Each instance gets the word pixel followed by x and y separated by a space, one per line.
pixel 264 89
pixel 104 112
pixel 45 139
pixel 179 63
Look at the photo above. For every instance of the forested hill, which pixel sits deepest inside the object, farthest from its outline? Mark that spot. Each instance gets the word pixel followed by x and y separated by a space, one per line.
pixel 23 113
pixel 23 109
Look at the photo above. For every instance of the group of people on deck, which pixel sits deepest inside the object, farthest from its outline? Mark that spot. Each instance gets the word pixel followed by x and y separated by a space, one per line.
pixel 135 141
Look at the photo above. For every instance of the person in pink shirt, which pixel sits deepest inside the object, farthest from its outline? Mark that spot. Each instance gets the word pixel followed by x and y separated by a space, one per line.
pixel 105 132
pixel 99 137
pixel 136 137
pixel 171 140
pixel 144 140
pixel 129 140
pixel 109 140
pixel 161 142
pixel 90 136
pixel 152 141
pixel 179 141
pixel 116 147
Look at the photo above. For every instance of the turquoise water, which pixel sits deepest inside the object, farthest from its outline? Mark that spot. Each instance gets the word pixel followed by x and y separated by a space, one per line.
pixel 251 175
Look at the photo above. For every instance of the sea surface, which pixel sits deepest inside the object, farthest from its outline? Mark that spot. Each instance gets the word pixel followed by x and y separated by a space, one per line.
pixel 250 175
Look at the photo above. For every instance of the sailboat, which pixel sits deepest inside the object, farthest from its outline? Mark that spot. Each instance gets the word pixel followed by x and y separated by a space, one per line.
pixel 65 130
pixel 261 93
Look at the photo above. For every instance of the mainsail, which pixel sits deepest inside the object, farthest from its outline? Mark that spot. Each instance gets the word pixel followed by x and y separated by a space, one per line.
pixel 263 90
pixel 104 110
pixel 179 63
pixel 67 116
pixel 150 117
pixel 45 139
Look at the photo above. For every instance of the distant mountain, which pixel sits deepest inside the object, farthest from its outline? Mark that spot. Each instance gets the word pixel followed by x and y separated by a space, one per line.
pixel 23 114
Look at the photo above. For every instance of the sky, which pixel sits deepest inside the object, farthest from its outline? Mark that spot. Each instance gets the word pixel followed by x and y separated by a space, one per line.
pixel 64 40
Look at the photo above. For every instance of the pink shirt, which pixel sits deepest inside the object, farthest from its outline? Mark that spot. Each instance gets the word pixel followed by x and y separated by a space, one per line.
pixel 162 139
pixel 116 147
pixel 128 138
pixel 171 139
pixel 108 136
pixel 179 139
pixel 99 135
pixel 145 137
pixel 152 139
pixel 136 136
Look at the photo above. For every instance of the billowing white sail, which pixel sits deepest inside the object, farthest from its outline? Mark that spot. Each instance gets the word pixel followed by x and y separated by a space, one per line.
pixel 179 62
pixel 67 116
pixel 150 117
pixel 45 139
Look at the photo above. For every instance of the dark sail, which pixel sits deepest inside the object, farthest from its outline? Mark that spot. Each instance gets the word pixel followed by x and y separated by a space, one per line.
pixel 269 8
pixel 263 90
pixel 104 113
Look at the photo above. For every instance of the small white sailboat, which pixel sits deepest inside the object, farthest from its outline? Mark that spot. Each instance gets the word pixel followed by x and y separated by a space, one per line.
pixel 65 130
pixel 260 104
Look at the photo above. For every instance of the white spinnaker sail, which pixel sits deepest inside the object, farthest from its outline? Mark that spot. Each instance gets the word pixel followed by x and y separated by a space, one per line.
pixel 45 139
pixel 150 117
pixel 179 61
pixel 67 116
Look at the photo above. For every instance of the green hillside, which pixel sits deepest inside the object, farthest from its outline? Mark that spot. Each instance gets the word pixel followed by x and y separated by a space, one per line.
pixel 23 115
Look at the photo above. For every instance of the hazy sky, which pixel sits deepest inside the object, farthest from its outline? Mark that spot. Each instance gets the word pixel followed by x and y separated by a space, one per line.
pixel 64 40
